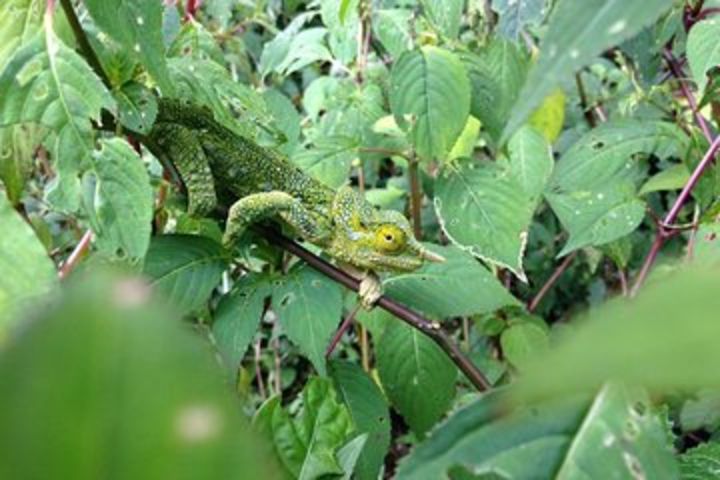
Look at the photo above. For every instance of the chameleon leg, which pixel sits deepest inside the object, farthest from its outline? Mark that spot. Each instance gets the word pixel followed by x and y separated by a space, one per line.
pixel 370 290
pixel 255 207
pixel 188 157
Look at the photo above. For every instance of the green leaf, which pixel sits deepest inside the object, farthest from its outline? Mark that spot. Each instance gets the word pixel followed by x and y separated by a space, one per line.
pixel 486 208
pixel 137 107
pixel 459 286
pixel 349 454
pixel 238 316
pixel 465 144
pixel 672 178
pixel 286 119
pixel 305 48
pixel 430 98
pixel 617 437
pixel 309 307
pixel 342 32
pixel 701 462
pixel 515 15
pixel 392 29
pixel 550 115
pixel 369 413
pixel 701 412
pixel 275 51
pixel 137 26
pixel 329 159
pixel 707 243
pixel 21 20
pixel 27 271
pixel 577 32
pixel 119 200
pixel 307 445
pixel 47 83
pixel 444 15
pixel 185 269
pixel 638 342
pixel 593 187
pixel 137 395
pixel 17 145
pixel 496 76
pixel 521 341
pixel 416 374
pixel 703 51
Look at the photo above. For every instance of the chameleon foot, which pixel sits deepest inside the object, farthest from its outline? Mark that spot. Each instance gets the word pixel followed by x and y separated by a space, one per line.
pixel 370 290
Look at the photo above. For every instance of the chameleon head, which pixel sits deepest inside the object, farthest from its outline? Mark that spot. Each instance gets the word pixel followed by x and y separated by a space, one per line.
pixel 386 242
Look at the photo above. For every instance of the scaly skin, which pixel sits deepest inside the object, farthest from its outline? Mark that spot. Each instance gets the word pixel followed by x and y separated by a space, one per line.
pixel 215 163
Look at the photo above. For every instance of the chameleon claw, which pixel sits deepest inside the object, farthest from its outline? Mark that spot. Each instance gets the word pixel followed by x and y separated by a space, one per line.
pixel 370 290
pixel 431 256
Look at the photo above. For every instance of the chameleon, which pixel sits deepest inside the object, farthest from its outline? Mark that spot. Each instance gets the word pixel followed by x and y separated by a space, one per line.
pixel 218 166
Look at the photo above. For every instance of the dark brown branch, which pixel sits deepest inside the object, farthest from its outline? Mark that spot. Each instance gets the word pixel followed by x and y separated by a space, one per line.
pixel 412 318
pixel 551 281
pixel 415 197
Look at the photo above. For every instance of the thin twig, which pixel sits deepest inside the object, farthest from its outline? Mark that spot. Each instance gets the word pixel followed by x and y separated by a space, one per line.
pixel 551 281
pixel 623 282
pixel 344 326
pixel 76 255
pixel 587 111
pixel 431 329
pixel 258 370
pixel 415 197
pixel 663 233
pixel 83 42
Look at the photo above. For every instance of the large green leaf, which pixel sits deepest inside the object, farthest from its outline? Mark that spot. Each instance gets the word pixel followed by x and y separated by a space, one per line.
pixel 392 29
pixel 701 463
pixel 137 107
pixel 185 269
pixel 577 32
pixel 46 82
pixel 137 26
pixel 496 75
pixel 593 187
pixel 416 375
pixel 617 437
pixel 26 271
pixel 120 390
pixel 307 445
pixel 21 20
pixel 309 306
pixel 445 15
pixel 119 200
pixel 369 413
pixel 329 159
pixel 458 286
pixel 430 98
pixel 238 316
pixel 515 15
pixel 487 208
pixel 342 32
pixel 703 50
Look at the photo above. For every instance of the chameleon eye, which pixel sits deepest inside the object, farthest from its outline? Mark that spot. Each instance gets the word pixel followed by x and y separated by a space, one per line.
pixel 389 238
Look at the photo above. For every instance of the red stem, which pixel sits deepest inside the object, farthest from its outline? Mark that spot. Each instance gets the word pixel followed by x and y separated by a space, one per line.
pixel 551 281
pixel 341 331
pixel 76 255
pixel 191 9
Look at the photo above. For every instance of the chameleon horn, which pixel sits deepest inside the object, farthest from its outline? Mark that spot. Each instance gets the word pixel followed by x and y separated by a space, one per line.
pixel 431 256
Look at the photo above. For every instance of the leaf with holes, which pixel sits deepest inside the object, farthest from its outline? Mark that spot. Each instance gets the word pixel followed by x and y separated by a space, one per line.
pixel 593 188
pixel 416 375
pixel 238 316
pixel 27 270
pixel 46 82
pixel 459 286
pixel 137 26
pixel 185 269
pixel 137 107
pixel 369 412
pixel 309 307
pixel 430 98
pixel 577 32
pixel 486 207
pixel 308 444
pixel 703 51
pixel 561 439
pixel 119 200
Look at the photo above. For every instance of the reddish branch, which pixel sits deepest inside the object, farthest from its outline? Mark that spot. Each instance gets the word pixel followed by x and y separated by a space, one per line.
pixel 414 319
pixel 192 8
pixel 76 255
pixel 551 281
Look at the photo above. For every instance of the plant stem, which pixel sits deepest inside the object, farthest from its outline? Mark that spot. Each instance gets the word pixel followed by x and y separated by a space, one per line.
pixel 587 111
pixel 415 197
pixel 664 232
pixel 76 255
pixel 551 281
pixel 344 326
pixel 385 151
pixel 84 43
pixel 258 370
pixel 414 319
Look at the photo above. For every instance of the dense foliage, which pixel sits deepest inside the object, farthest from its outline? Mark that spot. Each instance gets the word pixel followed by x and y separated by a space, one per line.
pixel 559 154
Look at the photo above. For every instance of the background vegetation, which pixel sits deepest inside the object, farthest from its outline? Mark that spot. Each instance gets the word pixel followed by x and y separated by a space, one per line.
pixel 560 155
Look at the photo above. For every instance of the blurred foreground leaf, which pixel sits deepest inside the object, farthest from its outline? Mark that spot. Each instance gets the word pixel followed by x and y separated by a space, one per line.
pixel 136 396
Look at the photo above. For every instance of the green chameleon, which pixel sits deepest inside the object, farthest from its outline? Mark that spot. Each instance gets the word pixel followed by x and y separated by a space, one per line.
pixel 218 165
